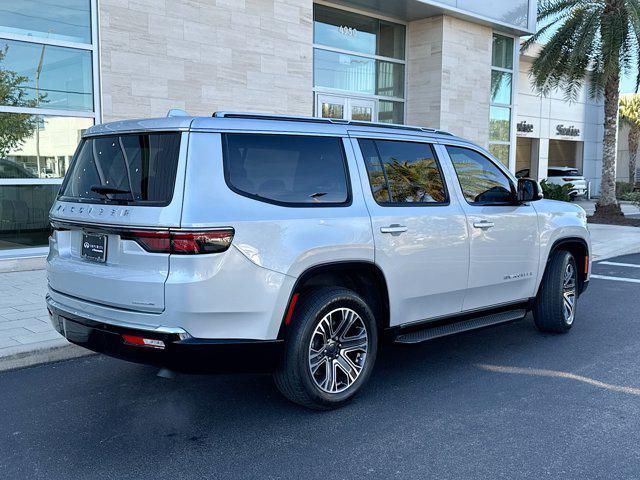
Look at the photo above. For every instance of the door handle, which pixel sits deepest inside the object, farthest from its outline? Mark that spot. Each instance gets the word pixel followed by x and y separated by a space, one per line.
pixel 394 229
pixel 483 224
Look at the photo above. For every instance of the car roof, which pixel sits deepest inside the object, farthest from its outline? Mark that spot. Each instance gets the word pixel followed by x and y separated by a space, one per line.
pixel 237 121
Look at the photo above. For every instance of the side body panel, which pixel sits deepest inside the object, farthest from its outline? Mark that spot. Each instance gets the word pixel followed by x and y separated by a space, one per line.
pixel 504 258
pixel 426 266
pixel 284 239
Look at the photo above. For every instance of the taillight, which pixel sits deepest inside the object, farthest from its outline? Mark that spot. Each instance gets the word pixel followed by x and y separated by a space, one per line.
pixel 568 179
pixel 181 243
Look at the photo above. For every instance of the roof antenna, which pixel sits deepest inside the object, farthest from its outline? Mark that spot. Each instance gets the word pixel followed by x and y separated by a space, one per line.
pixel 177 112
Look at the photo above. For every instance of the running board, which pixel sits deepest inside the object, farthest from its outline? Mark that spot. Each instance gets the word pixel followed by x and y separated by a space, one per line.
pixel 429 333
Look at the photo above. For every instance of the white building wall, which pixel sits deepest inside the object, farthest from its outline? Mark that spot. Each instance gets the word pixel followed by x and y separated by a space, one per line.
pixel 546 113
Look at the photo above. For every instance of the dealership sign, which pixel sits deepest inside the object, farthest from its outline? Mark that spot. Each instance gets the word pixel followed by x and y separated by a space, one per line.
pixel 570 131
pixel 524 127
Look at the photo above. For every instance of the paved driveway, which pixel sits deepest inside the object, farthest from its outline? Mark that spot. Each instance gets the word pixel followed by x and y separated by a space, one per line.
pixel 506 402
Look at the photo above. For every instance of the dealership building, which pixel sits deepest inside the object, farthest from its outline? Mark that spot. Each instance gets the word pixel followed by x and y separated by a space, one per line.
pixel 448 64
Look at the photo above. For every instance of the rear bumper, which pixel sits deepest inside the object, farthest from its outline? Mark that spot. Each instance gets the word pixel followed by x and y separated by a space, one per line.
pixel 181 352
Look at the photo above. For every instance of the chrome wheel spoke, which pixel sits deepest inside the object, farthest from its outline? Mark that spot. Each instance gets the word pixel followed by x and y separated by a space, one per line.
pixel 349 317
pixel 316 358
pixel 348 367
pixel 329 382
pixel 338 350
pixel 358 342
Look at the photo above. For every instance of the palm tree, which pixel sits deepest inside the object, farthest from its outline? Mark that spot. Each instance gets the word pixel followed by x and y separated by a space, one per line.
pixel 630 116
pixel 594 40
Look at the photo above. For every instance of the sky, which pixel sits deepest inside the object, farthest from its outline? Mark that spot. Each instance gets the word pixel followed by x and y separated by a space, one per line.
pixel 628 83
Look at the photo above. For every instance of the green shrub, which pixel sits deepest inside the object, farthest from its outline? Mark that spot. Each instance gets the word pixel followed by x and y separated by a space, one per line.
pixel 622 188
pixel 556 192
pixel 633 197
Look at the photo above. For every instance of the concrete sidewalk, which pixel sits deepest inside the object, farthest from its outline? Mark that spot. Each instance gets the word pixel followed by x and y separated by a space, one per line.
pixel 27 337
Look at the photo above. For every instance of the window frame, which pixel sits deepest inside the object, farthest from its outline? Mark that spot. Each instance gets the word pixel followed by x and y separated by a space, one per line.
pixel 405 204
pixel 346 93
pixel 347 175
pixel 513 71
pixel 129 203
pixel 497 164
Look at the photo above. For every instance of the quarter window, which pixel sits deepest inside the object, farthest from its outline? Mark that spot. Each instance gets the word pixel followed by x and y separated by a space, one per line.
pixel 403 172
pixel 287 169
pixel 482 182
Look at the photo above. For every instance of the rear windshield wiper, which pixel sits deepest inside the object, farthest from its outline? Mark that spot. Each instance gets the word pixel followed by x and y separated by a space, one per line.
pixel 105 189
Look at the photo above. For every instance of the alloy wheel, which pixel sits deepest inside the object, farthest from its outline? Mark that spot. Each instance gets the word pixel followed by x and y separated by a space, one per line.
pixel 338 350
pixel 569 282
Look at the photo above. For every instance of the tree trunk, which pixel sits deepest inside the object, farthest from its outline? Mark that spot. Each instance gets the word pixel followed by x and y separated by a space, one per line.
pixel 634 136
pixel 607 203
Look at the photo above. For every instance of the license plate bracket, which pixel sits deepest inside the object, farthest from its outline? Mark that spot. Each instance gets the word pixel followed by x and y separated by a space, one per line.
pixel 94 247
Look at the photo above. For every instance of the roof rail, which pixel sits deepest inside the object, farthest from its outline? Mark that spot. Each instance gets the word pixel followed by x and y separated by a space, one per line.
pixel 270 116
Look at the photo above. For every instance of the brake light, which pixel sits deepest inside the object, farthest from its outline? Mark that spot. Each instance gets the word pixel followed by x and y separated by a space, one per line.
pixel 567 179
pixel 181 243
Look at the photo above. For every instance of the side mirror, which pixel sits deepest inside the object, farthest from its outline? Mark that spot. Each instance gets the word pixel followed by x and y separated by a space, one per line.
pixel 528 190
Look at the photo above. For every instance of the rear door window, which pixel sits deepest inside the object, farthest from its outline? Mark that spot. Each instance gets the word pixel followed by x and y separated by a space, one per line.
pixel 292 170
pixel 132 169
pixel 403 173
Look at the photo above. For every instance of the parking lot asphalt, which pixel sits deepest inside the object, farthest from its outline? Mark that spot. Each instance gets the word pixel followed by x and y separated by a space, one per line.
pixel 506 402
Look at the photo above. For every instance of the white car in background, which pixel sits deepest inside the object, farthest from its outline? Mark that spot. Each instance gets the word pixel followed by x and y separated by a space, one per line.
pixel 563 176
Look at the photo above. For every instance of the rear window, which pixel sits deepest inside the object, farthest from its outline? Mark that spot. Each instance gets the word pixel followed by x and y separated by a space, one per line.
pixel 293 170
pixel 132 169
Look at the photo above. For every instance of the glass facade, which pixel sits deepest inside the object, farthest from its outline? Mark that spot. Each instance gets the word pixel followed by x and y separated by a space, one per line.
pixel 68 20
pixel 501 97
pixel 47 98
pixel 361 57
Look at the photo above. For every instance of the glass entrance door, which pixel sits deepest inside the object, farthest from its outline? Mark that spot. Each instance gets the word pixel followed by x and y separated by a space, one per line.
pixel 346 108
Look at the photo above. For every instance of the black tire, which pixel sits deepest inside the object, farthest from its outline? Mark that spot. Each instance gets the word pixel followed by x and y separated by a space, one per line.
pixel 549 313
pixel 293 376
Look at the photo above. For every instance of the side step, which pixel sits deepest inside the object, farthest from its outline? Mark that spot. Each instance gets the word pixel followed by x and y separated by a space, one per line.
pixel 437 331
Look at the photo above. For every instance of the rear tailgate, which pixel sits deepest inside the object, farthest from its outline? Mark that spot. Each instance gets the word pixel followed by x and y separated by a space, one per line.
pixel 116 184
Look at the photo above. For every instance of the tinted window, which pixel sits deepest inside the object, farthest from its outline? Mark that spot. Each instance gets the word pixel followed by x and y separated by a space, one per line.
pixel 403 172
pixel 134 169
pixel 290 169
pixel 482 182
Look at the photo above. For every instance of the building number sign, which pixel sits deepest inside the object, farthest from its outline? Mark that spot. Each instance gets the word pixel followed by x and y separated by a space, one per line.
pixel 347 31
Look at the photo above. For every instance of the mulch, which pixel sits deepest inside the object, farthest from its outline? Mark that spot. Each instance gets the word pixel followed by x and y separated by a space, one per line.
pixel 615 220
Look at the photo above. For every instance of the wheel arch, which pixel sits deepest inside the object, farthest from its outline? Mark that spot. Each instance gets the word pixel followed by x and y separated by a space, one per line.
pixel 363 277
pixel 579 248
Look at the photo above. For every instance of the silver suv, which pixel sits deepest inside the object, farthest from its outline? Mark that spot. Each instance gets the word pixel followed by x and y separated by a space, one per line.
pixel 247 242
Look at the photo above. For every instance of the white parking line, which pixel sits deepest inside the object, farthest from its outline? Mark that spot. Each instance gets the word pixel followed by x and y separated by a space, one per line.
pixel 616 264
pixel 618 279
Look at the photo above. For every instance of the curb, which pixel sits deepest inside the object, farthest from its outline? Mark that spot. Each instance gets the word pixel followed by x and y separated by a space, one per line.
pixel 44 352
pixel 618 253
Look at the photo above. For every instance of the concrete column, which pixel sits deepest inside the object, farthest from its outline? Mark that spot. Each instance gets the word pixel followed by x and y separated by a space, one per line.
pixel 449 76
pixel 543 159
pixel 424 72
